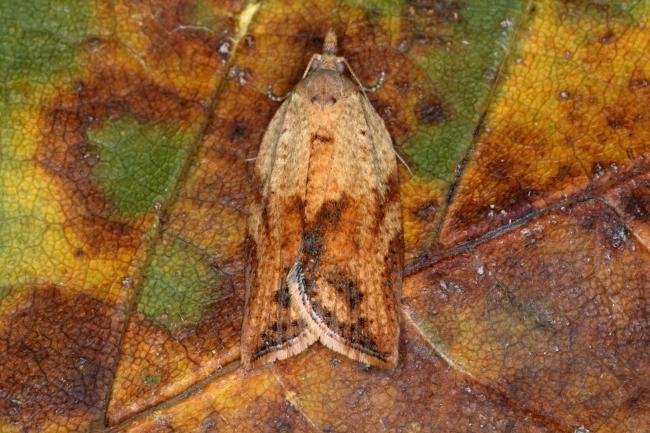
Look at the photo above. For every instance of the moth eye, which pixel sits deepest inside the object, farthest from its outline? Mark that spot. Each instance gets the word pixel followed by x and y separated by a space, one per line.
pixel 340 67
pixel 316 64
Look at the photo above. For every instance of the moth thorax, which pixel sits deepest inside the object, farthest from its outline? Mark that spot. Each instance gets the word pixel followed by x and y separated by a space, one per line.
pixel 329 62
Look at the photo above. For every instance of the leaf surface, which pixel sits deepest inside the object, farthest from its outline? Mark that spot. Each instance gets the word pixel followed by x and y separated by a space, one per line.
pixel 126 135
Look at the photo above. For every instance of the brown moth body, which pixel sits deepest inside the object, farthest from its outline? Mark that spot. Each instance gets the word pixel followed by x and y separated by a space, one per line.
pixel 325 231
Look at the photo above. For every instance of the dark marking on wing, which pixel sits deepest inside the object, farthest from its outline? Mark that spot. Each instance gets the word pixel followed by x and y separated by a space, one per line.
pixel 321 138
pixel 391 195
pixel 278 334
pixel 282 296
pixel 346 286
pixel 331 211
pixel 312 238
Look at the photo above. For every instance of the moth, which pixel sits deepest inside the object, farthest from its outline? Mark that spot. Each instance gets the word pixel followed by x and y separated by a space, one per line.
pixel 325 248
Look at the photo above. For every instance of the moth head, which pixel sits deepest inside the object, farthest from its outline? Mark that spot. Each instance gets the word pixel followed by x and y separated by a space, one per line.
pixel 328 59
pixel 330 44
pixel 329 62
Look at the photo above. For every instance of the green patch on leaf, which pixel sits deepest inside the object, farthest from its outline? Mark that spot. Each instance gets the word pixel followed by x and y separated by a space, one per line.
pixel 204 15
pixel 440 160
pixel 40 37
pixel 138 164
pixel 4 292
pixel 179 284
pixel 39 40
pixel 151 379
pixel 384 7
pixel 467 48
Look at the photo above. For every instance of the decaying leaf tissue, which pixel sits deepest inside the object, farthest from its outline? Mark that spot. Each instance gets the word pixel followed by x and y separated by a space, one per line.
pixel 325 231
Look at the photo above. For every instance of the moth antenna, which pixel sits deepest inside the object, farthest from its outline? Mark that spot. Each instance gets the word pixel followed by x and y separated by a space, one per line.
pixel 364 89
pixel 377 85
pixel 403 162
pixel 330 43
pixel 273 97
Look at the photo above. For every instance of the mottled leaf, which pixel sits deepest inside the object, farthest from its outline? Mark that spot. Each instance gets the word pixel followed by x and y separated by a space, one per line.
pixel 127 130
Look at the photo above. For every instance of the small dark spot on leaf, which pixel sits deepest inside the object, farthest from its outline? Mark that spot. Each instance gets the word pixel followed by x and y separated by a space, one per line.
pixel 607 38
pixel 427 210
pixel 499 168
pixel 615 123
pixel 587 222
pixel 597 169
pixel 430 110
pixel 617 235
pixel 447 10
pixel 637 206
pixel 639 83
pixel 239 130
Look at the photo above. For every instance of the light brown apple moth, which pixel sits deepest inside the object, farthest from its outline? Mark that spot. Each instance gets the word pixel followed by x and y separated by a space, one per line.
pixel 325 230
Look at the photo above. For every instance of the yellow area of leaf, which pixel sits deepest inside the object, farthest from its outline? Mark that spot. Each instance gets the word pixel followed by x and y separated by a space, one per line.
pixel 572 111
pixel 44 248
pixel 163 45
pixel 75 139
pixel 239 401
pixel 422 203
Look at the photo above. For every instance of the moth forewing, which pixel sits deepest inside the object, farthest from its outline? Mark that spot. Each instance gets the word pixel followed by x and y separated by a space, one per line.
pixel 325 228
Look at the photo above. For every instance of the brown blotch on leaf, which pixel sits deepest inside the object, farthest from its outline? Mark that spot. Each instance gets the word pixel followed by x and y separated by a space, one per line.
pixel 587 222
pixel 64 152
pixel 57 355
pixel 499 168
